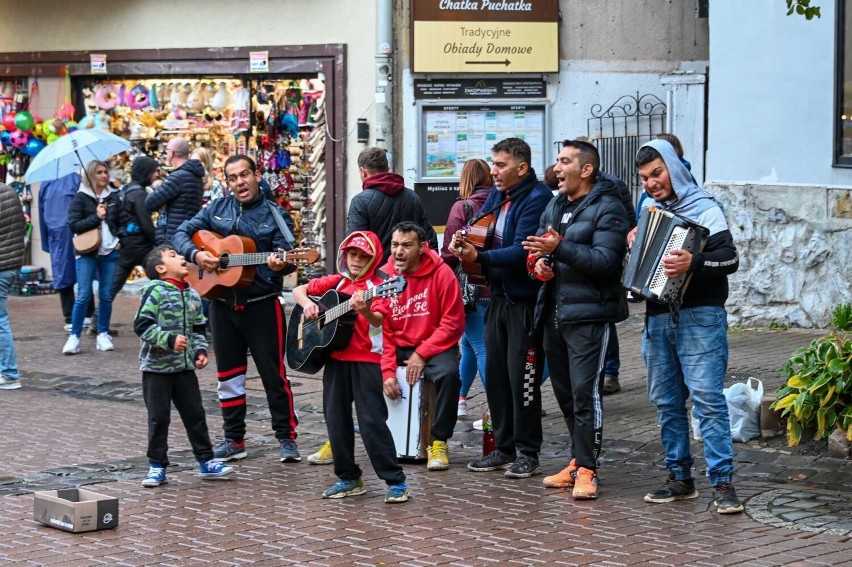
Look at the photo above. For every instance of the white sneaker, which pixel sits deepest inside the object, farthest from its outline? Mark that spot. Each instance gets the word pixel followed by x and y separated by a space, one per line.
pixel 67 327
pixel 87 321
pixel 9 383
pixel 104 342
pixel 462 411
pixel 72 345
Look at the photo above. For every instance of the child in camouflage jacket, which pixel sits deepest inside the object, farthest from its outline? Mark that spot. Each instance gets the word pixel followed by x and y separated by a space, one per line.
pixel 170 323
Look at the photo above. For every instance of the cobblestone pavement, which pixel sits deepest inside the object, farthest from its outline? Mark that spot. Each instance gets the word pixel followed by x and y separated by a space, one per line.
pixel 80 420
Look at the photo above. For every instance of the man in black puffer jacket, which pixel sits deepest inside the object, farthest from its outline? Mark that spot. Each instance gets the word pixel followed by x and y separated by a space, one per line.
pixel 136 232
pixel 385 202
pixel 582 234
pixel 179 197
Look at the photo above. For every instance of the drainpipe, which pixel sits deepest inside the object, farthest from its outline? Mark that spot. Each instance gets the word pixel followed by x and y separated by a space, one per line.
pixel 384 86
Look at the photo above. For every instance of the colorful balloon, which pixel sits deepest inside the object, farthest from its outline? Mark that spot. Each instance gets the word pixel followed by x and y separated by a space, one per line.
pixel 9 121
pixel 24 121
pixel 52 138
pixel 38 131
pixel 5 136
pixel 33 147
pixel 71 126
pixel 19 138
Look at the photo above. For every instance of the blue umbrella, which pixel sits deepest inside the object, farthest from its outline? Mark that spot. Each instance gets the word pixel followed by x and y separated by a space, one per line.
pixel 72 152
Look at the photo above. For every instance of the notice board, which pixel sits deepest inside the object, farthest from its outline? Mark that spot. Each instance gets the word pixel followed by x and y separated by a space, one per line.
pixel 452 134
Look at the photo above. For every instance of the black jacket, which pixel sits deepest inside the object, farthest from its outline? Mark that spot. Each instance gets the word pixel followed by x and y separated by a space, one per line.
pixel 226 217
pixel 587 263
pixel 384 203
pixel 179 198
pixel 83 212
pixel 137 229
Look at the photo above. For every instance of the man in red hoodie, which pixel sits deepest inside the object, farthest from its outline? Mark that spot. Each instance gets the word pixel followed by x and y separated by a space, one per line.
pixel 385 202
pixel 422 331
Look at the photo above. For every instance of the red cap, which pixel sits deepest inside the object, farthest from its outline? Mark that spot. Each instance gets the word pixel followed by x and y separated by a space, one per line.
pixel 360 243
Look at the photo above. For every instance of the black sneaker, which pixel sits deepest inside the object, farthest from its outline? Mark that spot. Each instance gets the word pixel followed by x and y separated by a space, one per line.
pixel 673 490
pixel 493 461
pixel 725 500
pixel 524 467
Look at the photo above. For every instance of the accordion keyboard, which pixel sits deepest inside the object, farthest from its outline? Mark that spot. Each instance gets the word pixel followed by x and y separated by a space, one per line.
pixel 659 280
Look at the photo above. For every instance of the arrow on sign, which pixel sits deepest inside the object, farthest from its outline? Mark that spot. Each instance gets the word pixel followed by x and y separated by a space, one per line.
pixel 506 62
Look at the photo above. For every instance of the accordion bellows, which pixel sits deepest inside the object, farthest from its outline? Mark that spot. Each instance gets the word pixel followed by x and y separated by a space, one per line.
pixel 658 233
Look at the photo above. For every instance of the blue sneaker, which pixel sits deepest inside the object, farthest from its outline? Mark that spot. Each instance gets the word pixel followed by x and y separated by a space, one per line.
pixel 230 450
pixel 289 451
pixel 156 477
pixel 344 488
pixel 213 470
pixel 397 493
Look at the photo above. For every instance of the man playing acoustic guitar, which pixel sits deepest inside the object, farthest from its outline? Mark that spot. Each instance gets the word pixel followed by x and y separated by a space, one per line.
pixel 514 361
pixel 250 317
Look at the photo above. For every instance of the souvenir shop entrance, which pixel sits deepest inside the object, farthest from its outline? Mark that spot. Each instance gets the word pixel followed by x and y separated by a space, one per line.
pixel 285 115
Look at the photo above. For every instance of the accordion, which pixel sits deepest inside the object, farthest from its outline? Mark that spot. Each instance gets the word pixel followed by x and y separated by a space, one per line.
pixel 658 233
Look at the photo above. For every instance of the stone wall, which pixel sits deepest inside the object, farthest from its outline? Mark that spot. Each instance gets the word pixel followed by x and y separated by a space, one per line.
pixel 795 245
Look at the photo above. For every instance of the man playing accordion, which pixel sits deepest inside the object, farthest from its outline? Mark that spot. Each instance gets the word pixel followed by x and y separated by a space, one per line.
pixel 685 346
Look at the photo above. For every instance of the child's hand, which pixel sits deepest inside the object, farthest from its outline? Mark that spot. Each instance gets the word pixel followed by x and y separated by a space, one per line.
pixel 201 360
pixel 310 310
pixel 180 343
pixel 391 388
pixel 358 304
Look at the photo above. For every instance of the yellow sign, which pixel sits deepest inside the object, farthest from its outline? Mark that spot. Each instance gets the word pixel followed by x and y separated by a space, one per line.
pixel 486 47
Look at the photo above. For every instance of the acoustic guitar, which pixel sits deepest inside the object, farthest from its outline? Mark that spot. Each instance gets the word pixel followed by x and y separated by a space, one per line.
pixel 480 233
pixel 311 341
pixel 237 257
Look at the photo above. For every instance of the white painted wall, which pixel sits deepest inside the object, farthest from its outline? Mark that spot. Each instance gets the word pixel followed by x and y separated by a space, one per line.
pixel 771 100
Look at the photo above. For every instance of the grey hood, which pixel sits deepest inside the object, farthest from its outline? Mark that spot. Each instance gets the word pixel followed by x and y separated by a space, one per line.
pixel 689 201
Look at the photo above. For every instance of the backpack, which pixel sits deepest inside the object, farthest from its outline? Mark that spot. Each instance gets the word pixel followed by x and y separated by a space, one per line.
pixel 129 224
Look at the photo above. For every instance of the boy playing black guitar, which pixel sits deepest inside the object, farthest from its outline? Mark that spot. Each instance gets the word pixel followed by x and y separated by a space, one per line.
pixel 352 374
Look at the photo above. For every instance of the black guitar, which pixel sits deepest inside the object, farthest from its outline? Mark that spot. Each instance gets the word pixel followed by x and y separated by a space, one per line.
pixel 311 341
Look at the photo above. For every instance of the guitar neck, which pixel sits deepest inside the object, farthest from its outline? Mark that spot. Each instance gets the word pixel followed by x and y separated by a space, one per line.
pixel 343 308
pixel 252 258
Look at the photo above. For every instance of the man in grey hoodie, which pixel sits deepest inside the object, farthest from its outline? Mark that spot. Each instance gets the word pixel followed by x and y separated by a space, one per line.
pixel 685 348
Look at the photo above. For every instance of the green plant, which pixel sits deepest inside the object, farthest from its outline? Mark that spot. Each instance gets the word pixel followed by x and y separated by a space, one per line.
pixel 818 389
pixel 841 317
pixel 776 326
pixel 803 8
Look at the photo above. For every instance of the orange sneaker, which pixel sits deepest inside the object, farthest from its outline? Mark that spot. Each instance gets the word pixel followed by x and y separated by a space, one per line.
pixel 585 485
pixel 564 478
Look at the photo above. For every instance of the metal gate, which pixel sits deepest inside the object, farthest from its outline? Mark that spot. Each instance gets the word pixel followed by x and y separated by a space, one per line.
pixel 621 129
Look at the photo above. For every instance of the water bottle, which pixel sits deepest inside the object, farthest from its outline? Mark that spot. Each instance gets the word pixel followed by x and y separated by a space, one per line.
pixel 488 443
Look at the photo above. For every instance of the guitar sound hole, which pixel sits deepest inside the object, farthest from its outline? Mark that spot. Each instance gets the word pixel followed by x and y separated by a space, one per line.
pixel 224 260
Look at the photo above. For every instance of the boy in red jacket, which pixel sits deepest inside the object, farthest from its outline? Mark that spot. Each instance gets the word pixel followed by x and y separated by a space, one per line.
pixel 422 331
pixel 353 374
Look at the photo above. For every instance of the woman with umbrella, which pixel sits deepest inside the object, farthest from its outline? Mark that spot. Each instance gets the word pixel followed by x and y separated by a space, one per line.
pixel 96 205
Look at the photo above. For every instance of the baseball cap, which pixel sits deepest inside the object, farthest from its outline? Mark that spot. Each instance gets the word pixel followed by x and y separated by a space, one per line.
pixel 360 243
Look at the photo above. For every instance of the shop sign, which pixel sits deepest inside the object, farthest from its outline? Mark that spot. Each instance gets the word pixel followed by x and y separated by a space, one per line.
pixel 259 62
pixel 485 36
pixel 479 88
pixel 98 63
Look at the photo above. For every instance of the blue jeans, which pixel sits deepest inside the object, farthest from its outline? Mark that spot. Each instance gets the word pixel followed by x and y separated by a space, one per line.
pixel 690 360
pixel 473 347
pixel 105 267
pixel 8 360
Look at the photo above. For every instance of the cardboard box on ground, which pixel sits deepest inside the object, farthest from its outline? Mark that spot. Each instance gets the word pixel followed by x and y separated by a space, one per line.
pixel 75 510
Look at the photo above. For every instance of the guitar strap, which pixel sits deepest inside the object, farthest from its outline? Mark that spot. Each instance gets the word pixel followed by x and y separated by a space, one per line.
pixel 517 195
pixel 282 226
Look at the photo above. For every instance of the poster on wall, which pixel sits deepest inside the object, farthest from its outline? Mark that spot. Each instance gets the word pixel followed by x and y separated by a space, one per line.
pixel 453 134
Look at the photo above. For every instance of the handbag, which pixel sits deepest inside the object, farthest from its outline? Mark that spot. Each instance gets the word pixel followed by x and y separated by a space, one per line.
pixel 88 241
pixel 469 292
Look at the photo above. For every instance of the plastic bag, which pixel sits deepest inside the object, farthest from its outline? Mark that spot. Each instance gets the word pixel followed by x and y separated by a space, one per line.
pixel 743 410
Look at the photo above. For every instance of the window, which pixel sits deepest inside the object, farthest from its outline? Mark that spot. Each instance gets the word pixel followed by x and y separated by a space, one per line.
pixel 843 94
